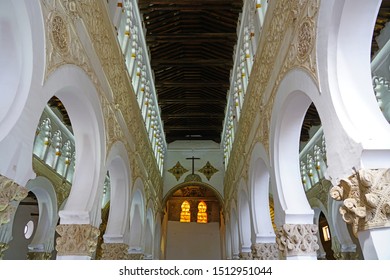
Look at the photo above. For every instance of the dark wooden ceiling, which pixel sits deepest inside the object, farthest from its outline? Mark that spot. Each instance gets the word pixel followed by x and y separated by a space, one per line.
pixel 191 47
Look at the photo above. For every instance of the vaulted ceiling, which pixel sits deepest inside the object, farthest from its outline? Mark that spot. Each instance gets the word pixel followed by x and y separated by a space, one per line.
pixel 191 46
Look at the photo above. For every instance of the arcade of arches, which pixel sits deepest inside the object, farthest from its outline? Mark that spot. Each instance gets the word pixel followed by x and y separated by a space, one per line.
pixel 302 169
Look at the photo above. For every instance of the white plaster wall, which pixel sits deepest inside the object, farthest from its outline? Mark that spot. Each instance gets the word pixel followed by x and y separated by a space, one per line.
pixel 205 150
pixel 193 241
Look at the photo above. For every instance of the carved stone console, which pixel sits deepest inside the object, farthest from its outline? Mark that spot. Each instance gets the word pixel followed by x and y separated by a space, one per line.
pixel 297 240
pixel 265 251
pixel 77 240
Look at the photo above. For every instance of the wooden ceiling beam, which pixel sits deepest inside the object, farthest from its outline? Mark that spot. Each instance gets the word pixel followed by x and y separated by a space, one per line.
pixel 189 61
pixel 186 101
pixel 192 115
pixel 192 84
pixel 191 38
pixel 192 128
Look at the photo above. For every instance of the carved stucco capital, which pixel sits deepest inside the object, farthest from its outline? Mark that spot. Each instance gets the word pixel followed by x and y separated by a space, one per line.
pixel 346 255
pixel 245 256
pixel 366 199
pixel 39 255
pixel 297 239
pixel 77 239
pixel 9 191
pixel 135 256
pixel 114 251
pixel 265 251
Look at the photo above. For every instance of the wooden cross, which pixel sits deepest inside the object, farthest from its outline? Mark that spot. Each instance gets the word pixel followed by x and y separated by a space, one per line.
pixel 193 161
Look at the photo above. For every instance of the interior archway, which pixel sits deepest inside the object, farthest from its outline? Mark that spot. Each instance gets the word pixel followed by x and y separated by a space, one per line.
pixel 193 240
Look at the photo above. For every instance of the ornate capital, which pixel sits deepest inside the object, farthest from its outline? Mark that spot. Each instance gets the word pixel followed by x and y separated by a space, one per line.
pixel 9 191
pixel 297 240
pixel 245 256
pixel 114 251
pixel 39 255
pixel 3 248
pixel 135 256
pixel 366 199
pixel 77 239
pixel 265 251
pixel 346 256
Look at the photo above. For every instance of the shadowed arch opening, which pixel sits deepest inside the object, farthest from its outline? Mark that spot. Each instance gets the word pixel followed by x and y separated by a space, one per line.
pixel 263 231
pixel 245 224
pixel 137 219
pixel 118 177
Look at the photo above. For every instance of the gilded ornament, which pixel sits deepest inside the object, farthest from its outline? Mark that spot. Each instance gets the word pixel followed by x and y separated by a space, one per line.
pixel 177 170
pixel 208 170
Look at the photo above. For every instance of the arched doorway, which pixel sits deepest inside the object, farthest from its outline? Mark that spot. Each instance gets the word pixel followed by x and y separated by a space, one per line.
pixel 198 236
pixel 325 236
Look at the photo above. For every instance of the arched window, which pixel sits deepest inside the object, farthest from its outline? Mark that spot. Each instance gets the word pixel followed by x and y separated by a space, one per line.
pixel 202 215
pixel 185 215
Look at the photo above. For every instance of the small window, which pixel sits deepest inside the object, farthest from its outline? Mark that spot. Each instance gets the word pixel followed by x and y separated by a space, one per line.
pixel 28 229
pixel 185 215
pixel 326 233
pixel 202 215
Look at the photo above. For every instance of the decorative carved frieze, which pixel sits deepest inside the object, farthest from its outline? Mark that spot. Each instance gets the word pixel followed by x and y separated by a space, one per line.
pixel 3 248
pixel 114 251
pixel 265 251
pixel 245 256
pixel 39 256
pixel 366 199
pixel 76 240
pixel 297 239
pixel 9 192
